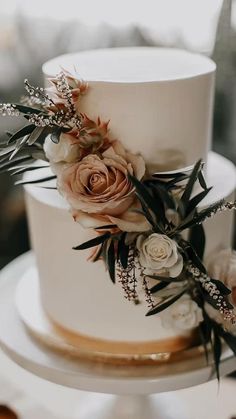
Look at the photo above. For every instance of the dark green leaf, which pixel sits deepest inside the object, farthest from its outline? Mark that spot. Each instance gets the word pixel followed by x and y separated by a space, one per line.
pixel 208 211
pixel 145 211
pixel 202 215
pixel 205 329
pixel 19 144
pixel 173 182
pixel 24 169
pixel 165 278
pixel 217 351
pixel 189 187
pixel 167 175
pixel 160 208
pixel 193 256
pixel 193 203
pixel 30 182
pixel 21 133
pixel 197 239
pixel 163 305
pixel 6 150
pixel 55 135
pixel 228 337
pixel 165 196
pixel 9 134
pixel 144 195
pixel 201 180
pixel 221 287
pixel 159 287
pixel 181 210
pixel 93 242
pixel 209 299
pixel 35 134
pixel 27 109
pixel 23 151
pixel 111 261
pixel 9 164
pixel 106 227
pixel 105 245
pixel 207 325
pixel 187 222
pixel 154 181
pixel 46 131
pixel 175 174
pixel 123 251
pixel 47 187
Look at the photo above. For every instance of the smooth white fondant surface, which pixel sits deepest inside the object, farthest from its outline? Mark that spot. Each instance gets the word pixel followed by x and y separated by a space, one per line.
pixel 78 294
pixel 159 101
pixel 130 65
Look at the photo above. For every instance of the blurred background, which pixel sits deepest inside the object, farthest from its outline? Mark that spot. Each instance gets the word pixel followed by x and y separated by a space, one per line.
pixel 31 33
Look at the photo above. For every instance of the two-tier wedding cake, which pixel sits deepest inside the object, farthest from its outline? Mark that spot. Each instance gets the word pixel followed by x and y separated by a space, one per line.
pixel 124 264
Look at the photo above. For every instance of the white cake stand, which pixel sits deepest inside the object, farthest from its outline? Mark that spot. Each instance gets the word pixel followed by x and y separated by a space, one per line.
pixel 135 386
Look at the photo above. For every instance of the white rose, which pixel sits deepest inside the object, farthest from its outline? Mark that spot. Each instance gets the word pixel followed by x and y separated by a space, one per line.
pixel 184 314
pixel 159 254
pixel 67 150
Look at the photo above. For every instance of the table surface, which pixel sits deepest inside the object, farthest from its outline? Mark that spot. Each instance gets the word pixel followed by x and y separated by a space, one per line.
pixel 35 398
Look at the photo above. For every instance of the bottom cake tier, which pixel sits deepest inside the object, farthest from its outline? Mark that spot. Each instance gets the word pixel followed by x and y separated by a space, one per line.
pixel 83 305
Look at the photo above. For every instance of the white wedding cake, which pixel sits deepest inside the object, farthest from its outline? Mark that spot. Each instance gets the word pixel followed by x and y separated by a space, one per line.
pixel 159 104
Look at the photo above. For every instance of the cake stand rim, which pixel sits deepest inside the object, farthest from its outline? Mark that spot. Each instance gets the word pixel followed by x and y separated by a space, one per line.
pixel 22 349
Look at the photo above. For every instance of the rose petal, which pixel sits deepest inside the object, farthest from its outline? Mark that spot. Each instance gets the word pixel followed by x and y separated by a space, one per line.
pixel 176 269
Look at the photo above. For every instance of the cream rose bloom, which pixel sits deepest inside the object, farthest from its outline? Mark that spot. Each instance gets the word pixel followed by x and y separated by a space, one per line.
pixel 159 254
pixel 183 315
pixel 222 266
pixel 67 150
pixel 98 187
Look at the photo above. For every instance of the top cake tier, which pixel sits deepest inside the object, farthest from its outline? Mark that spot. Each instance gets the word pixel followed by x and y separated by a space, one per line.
pixel 159 101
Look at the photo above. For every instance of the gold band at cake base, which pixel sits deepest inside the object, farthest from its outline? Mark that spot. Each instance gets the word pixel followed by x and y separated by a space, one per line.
pixel 102 346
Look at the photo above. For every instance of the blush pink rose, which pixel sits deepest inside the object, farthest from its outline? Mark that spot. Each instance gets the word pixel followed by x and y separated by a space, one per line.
pixel 99 184
pixel 129 220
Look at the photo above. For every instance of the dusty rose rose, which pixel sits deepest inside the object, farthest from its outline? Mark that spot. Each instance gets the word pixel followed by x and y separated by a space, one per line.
pixel 128 221
pixel 222 265
pixel 99 184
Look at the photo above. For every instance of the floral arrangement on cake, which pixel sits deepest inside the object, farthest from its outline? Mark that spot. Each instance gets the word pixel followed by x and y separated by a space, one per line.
pixel 138 217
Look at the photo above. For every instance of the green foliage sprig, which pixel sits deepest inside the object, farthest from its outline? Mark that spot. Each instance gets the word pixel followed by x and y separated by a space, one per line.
pixel 171 208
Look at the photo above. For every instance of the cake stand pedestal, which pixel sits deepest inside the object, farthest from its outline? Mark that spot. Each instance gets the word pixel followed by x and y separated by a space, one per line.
pixel 136 390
